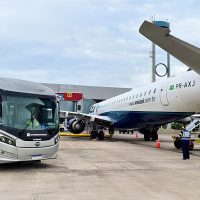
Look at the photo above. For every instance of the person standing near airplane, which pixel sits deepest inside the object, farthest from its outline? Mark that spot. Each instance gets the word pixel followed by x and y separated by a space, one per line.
pixel 185 143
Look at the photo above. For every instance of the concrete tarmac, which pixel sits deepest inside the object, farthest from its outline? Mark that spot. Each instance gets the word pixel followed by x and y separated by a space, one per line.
pixel 124 168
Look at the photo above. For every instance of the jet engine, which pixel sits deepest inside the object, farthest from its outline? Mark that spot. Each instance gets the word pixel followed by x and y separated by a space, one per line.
pixel 76 126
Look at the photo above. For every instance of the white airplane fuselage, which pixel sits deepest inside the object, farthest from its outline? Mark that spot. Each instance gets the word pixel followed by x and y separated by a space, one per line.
pixel 149 107
pixel 155 104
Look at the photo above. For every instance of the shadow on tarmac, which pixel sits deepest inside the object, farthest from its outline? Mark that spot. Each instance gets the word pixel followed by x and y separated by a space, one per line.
pixel 28 165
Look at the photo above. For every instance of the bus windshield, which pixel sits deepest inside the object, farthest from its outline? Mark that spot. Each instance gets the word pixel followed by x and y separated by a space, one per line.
pixel 28 113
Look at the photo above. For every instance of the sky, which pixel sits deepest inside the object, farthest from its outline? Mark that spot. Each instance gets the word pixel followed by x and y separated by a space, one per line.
pixel 89 42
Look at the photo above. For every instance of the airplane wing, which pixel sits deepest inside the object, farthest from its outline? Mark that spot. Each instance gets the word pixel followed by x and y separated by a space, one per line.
pixel 183 51
pixel 88 118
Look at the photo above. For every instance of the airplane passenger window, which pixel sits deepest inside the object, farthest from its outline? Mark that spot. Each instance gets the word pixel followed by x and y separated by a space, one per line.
pixel 154 90
pixel 149 92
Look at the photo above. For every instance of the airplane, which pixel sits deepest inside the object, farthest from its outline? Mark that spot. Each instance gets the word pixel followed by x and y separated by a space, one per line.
pixel 147 108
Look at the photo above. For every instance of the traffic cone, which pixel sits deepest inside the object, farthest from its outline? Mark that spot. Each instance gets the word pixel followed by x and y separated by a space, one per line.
pixel 158 143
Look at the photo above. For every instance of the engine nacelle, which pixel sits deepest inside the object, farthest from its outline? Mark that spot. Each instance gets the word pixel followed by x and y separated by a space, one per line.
pixel 75 126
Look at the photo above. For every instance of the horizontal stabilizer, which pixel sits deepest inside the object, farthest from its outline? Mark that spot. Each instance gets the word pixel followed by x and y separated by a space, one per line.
pixel 183 51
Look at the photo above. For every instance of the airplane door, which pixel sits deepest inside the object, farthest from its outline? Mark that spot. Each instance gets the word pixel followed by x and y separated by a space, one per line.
pixel 163 94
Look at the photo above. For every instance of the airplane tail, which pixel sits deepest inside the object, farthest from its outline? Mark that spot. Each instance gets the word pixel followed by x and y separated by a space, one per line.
pixel 183 51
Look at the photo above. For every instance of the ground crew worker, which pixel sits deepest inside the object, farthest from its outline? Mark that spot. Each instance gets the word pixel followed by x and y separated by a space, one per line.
pixel 185 143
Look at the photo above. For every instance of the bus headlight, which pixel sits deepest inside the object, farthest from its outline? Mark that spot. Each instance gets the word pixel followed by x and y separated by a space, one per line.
pixel 7 140
pixel 57 139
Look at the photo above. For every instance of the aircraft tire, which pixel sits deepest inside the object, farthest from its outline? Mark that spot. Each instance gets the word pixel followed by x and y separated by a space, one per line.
pixel 146 137
pixel 101 135
pixel 177 143
pixel 93 135
pixel 191 147
pixel 154 136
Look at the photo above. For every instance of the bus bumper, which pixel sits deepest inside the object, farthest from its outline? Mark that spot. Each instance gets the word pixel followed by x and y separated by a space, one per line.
pixel 30 154
pixel 10 154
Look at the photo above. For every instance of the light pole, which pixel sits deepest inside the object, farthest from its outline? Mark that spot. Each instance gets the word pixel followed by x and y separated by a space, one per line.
pixel 165 25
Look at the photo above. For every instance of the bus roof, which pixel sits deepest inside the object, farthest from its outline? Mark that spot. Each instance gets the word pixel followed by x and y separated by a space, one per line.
pixel 22 86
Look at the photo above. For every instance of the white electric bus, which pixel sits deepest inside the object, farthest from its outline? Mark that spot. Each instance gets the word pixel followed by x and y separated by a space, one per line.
pixel 29 122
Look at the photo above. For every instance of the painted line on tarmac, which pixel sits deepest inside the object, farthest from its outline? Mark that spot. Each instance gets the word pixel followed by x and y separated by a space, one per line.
pixel 73 134
pixel 78 135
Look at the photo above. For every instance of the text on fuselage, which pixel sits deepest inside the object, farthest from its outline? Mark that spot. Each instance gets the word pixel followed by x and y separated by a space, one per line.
pixel 182 85
pixel 141 101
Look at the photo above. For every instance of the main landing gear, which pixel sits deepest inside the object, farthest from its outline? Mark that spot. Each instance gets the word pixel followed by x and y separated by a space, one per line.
pixel 97 134
pixel 149 133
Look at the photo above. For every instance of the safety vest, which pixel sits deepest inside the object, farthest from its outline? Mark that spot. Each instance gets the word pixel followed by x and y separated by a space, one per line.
pixel 185 135
pixel 33 124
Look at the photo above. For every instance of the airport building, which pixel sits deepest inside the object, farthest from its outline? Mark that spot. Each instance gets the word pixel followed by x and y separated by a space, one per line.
pixel 79 98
